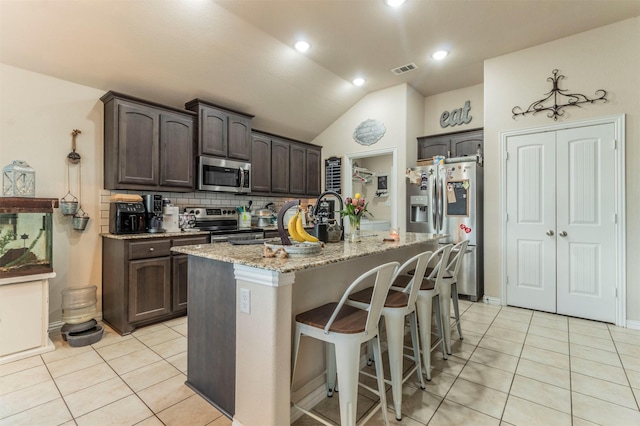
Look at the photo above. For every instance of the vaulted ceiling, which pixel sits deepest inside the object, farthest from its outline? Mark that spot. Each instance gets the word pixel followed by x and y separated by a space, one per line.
pixel 239 53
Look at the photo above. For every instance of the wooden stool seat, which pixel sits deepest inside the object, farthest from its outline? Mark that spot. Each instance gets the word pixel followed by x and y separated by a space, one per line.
pixel 350 320
pixel 395 299
pixel 403 281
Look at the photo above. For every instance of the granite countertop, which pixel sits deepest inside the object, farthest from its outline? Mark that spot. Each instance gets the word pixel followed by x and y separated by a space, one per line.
pixel 252 255
pixel 145 235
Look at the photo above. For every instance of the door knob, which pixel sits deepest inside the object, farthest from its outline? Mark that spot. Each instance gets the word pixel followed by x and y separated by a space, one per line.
pixel 550 232
pixel 563 234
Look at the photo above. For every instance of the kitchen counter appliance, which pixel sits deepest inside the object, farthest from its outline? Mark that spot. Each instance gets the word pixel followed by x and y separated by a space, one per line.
pixel 126 218
pixel 222 175
pixel 153 205
pixel 264 217
pixel 325 211
pixel 222 223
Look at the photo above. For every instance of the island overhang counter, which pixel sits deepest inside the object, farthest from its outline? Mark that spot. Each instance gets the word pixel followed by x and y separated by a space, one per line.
pixel 242 309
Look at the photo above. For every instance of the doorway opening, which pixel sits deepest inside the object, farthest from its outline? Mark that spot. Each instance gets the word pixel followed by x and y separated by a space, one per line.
pixel 368 173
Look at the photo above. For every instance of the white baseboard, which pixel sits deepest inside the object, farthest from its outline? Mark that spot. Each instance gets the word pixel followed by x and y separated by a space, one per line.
pixel 492 300
pixel 48 347
pixel 635 325
pixel 311 400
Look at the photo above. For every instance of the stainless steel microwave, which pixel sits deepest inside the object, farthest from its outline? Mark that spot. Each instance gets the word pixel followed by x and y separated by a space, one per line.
pixel 222 175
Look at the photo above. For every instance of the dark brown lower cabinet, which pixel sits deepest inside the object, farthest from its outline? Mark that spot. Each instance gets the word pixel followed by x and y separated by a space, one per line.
pixel 180 282
pixel 149 288
pixel 142 281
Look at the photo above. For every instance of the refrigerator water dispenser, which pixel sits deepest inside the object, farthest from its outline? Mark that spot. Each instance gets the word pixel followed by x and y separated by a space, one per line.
pixel 419 209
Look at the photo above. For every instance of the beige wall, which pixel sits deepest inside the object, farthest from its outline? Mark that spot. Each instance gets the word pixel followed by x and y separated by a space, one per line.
pixel 37 115
pixel 389 106
pixel 605 58
pixel 435 105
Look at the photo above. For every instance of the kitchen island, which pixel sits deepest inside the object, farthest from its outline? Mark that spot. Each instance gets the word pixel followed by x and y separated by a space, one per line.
pixel 242 309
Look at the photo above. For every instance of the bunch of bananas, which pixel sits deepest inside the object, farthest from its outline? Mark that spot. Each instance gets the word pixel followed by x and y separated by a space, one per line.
pixel 297 231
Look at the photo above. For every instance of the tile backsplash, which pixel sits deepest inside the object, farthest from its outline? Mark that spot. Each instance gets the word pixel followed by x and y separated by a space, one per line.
pixel 184 199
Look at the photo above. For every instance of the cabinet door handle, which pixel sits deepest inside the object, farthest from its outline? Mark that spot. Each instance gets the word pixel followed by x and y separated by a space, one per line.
pixel 550 233
pixel 563 234
pixel 151 249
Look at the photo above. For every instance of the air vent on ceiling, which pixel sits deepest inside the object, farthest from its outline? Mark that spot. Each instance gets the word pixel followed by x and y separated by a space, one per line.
pixel 404 68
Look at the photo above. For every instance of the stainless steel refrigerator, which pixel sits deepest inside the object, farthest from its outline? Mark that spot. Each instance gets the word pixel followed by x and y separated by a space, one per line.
pixel 447 199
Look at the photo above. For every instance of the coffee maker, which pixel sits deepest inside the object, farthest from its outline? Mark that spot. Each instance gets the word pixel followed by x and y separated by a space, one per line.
pixel 153 208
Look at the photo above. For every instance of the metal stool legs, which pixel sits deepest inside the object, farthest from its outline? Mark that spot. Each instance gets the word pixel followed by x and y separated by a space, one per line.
pixel 456 307
pixel 425 312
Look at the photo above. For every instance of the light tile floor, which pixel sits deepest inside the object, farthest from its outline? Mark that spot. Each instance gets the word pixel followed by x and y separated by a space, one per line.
pixel 521 367
pixel 514 367
pixel 121 380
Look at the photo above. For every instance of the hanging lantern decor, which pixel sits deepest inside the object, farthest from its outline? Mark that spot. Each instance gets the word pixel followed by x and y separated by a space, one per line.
pixel 18 180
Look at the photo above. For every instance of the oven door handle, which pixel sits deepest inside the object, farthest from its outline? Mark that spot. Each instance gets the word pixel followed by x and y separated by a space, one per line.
pixel 219 238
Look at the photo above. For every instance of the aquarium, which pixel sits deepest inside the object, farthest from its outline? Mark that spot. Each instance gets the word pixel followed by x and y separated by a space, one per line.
pixel 26 231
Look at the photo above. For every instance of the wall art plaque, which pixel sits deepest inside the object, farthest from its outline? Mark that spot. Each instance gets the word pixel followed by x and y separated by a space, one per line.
pixel 369 132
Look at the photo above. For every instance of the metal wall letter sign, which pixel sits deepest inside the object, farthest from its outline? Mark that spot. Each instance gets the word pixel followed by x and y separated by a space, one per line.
pixel 369 132
pixel 456 116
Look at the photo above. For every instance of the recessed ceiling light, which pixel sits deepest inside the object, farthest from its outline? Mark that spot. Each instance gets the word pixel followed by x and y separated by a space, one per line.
pixel 302 46
pixel 394 3
pixel 358 81
pixel 440 54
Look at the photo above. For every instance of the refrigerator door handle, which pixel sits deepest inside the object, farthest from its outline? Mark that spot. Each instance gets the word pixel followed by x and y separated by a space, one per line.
pixel 434 202
pixel 441 203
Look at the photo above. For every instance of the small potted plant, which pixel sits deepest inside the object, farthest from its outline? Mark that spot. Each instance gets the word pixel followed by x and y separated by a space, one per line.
pixel 354 209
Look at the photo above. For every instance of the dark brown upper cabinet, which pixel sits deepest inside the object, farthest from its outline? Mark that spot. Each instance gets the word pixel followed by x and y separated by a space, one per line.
pixel 261 166
pixel 297 169
pixel 314 170
pixel 176 150
pixel 222 132
pixel 458 144
pixel 285 167
pixel 280 166
pixel 147 146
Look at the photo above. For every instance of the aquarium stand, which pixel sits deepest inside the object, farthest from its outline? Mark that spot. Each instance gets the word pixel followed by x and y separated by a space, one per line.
pixel 26 251
pixel 24 317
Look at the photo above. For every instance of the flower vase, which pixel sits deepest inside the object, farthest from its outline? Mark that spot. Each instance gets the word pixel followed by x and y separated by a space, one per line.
pixel 354 223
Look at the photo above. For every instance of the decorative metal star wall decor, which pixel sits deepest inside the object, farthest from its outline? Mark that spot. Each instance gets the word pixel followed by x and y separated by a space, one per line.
pixel 556 110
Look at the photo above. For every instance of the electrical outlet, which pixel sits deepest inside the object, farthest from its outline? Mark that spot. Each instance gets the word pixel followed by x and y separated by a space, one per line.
pixel 245 300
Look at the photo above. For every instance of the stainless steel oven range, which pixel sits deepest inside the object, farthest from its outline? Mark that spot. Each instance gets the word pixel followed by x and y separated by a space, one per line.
pixel 222 222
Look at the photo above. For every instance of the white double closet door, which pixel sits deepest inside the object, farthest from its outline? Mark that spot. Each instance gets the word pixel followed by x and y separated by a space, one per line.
pixel 560 229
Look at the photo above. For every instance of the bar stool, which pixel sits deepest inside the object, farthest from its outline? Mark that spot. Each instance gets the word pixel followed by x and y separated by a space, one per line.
pixel 428 296
pixel 344 328
pixel 399 304
pixel 449 291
